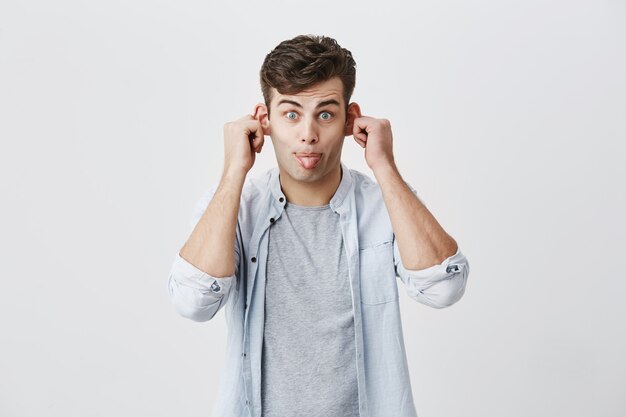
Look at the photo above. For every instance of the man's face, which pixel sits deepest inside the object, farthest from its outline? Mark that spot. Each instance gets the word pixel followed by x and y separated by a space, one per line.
pixel 308 130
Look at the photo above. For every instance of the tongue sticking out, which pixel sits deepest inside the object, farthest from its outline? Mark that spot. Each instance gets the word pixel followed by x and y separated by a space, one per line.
pixel 308 162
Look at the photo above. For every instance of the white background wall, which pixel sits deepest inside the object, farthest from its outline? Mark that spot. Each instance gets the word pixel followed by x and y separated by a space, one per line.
pixel 508 118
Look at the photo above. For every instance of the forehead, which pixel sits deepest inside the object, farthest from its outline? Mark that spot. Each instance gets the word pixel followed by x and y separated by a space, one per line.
pixel 326 90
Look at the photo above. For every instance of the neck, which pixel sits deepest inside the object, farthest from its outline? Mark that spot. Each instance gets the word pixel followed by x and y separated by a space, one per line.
pixel 312 194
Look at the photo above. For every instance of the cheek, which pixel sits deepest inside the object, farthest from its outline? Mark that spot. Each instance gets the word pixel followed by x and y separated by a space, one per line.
pixel 336 138
pixel 280 146
pixel 337 131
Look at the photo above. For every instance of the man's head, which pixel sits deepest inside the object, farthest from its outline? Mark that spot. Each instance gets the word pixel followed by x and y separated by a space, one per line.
pixel 307 83
pixel 306 60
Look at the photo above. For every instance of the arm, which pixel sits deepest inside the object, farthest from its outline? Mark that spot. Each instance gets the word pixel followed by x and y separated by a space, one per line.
pixel 206 266
pixel 427 259
pixel 196 293
pixel 421 239
pixel 210 245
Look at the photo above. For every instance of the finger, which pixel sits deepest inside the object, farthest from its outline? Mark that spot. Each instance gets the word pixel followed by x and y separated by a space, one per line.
pixel 258 146
pixel 257 137
pixel 254 129
pixel 361 136
pixel 360 131
pixel 361 124
pixel 360 142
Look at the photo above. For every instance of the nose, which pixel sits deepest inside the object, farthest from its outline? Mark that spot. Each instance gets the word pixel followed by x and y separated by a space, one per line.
pixel 309 131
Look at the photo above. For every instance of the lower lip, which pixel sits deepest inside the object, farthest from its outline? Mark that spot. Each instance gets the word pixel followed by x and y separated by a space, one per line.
pixel 308 162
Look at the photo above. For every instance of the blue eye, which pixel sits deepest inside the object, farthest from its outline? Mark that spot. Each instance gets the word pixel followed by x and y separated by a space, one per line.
pixel 326 115
pixel 290 113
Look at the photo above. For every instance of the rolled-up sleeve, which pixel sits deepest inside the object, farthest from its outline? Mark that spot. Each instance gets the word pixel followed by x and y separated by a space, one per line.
pixel 437 286
pixel 195 294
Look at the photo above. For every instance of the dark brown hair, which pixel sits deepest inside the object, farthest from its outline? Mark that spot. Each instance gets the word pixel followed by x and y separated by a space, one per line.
pixel 299 63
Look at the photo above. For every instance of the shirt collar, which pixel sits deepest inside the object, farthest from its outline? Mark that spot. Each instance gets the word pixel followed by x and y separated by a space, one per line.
pixel 335 202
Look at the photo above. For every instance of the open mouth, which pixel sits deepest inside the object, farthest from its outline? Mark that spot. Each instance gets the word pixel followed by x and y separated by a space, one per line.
pixel 308 160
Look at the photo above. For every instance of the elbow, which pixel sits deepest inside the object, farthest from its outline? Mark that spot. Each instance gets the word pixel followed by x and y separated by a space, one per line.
pixel 443 300
pixel 193 313
pixel 191 303
pixel 445 293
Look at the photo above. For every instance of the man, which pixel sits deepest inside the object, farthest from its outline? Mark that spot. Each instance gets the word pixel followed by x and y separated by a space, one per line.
pixel 304 258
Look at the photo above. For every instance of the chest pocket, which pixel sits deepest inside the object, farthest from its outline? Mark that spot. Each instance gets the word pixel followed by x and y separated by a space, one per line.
pixel 378 275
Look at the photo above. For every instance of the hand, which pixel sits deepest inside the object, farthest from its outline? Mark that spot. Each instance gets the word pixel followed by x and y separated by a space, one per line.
pixel 242 138
pixel 375 136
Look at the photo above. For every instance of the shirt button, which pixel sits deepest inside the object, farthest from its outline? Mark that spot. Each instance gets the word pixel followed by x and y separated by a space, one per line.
pixel 272 220
pixel 247 402
pixel 451 268
pixel 243 354
pixel 281 199
pixel 253 259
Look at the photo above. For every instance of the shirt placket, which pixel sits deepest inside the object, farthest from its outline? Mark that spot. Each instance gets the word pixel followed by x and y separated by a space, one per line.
pixel 350 237
pixel 254 321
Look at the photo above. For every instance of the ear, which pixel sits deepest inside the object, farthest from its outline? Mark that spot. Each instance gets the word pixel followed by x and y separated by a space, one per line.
pixel 354 112
pixel 260 113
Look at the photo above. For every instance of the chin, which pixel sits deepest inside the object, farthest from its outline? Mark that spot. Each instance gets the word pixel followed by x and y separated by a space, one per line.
pixel 306 176
pixel 301 174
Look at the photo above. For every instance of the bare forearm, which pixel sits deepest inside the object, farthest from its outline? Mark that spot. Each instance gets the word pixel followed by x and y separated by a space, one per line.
pixel 210 245
pixel 421 239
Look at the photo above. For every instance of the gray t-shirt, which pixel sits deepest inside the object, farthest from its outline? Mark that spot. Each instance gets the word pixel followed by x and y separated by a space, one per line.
pixel 309 355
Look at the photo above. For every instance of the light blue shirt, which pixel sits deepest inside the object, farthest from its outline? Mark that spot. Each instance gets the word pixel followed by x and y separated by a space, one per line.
pixel 374 262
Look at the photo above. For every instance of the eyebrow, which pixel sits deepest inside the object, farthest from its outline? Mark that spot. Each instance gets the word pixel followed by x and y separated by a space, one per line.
pixel 320 104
